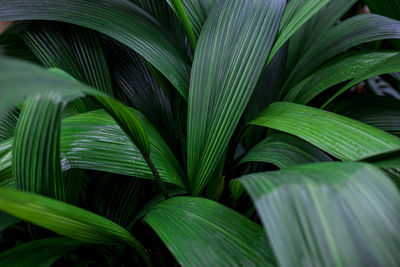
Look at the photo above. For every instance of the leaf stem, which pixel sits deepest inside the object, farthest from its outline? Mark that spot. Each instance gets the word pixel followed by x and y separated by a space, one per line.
pixel 181 13
pixel 156 175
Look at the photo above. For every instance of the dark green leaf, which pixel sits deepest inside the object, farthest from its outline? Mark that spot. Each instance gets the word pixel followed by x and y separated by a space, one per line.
pixel 231 51
pixel 342 137
pixel 65 219
pixel 43 252
pixel 113 18
pixel 284 151
pixel 197 233
pixel 329 214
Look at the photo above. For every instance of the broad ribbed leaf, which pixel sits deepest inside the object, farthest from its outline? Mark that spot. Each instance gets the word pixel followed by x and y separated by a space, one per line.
pixel 297 12
pixel 138 88
pixel 75 50
pixel 329 214
pixel 284 151
pixel 19 79
pixel 43 252
pixel 113 18
pixel 65 219
pixel 94 141
pixel 36 147
pixel 231 51
pixel 378 111
pixel 201 232
pixel 320 22
pixel 198 11
pixel 354 31
pixel 342 137
pixel 341 69
pixel 389 65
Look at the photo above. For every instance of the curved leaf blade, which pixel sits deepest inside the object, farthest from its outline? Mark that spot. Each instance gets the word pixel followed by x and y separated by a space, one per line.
pixel 329 214
pixel 342 137
pixel 65 219
pixel 113 18
pixel 196 232
pixel 223 80
pixel 284 151
pixel 43 252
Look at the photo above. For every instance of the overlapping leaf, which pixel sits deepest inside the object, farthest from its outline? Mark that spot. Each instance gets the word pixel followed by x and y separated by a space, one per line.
pixel 43 252
pixel 113 18
pixel 341 69
pixel 229 58
pixel 65 219
pixel 342 137
pixel 351 32
pixel 329 214
pixel 196 232
pixel 284 151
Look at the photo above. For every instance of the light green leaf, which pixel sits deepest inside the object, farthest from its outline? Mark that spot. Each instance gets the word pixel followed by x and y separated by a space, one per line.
pixel 113 18
pixel 43 252
pixel 231 51
pixel 198 11
pixel 329 214
pixel 284 151
pixel 342 137
pixel 197 233
pixel 65 219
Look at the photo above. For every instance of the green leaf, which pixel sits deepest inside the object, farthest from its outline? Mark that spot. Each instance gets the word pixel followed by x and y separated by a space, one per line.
pixel 340 69
pixel 93 140
pixel 311 31
pixel 231 51
pixel 197 233
pixel 389 65
pixel 297 12
pixel 198 11
pixel 342 137
pixel 19 79
pixel 65 219
pixel 284 151
pixel 390 8
pixel 378 111
pixel 36 147
pixel 329 214
pixel 113 18
pixel 43 252
pixel 138 88
pixel 353 31
pixel 6 221
pixel 183 17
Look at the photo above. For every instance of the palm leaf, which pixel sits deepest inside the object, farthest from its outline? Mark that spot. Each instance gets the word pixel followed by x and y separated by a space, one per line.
pixel 284 151
pixel 337 135
pixel 43 252
pixel 340 69
pixel 65 219
pixel 113 18
pixel 353 31
pixel 329 214
pixel 196 232
pixel 223 80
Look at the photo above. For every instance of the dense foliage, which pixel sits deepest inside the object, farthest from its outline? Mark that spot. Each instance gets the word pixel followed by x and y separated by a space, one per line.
pixel 200 133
